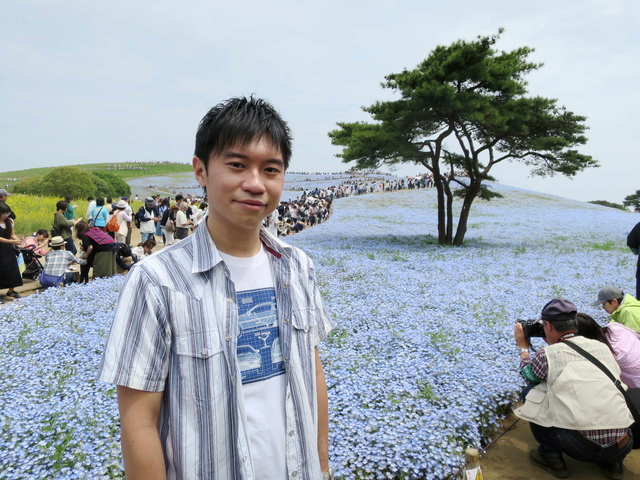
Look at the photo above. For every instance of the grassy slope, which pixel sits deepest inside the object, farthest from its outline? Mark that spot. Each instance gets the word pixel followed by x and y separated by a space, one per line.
pixel 122 170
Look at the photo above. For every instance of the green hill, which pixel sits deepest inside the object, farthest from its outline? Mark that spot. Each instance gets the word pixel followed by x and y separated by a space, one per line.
pixel 122 170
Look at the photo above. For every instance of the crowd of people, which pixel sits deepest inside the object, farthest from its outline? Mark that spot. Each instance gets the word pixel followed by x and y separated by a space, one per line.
pixel 103 235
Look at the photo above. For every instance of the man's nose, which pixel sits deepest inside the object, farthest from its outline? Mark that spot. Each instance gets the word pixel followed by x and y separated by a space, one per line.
pixel 253 181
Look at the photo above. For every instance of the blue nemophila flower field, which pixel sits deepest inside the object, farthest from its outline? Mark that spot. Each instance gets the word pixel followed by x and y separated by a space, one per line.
pixel 421 364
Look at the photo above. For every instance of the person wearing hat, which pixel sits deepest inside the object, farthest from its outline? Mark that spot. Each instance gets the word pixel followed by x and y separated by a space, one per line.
pixel 3 199
pixel 148 215
pixel 129 211
pixel 57 260
pixel 123 220
pixel 564 413
pixel 623 309
pixel 633 242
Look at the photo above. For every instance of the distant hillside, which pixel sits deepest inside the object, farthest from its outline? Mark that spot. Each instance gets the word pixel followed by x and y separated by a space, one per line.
pixel 122 170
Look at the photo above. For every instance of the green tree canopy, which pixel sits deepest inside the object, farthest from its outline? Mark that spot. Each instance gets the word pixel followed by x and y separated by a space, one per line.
pixel 475 98
pixel 632 201
pixel 117 186
pixel 29 185
pixel 606 203
pixel 63 181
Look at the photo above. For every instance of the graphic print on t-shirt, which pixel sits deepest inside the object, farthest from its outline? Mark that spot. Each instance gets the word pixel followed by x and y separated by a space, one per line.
pixel 259 351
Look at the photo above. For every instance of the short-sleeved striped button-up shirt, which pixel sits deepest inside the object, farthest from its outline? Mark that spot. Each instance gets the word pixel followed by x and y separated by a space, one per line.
pixel 175 331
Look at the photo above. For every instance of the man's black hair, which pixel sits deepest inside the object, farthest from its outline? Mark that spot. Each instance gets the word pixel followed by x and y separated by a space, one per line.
pixel 241 121
pixel 62 205
pixel 100 202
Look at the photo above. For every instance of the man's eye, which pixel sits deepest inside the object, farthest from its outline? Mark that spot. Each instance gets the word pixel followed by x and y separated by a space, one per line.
pixel 272 170
pixel 236 165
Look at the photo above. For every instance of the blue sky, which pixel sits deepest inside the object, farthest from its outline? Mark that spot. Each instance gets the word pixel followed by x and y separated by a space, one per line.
pixel 128 81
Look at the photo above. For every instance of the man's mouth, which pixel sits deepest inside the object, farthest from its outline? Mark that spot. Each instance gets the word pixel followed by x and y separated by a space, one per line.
pixel 256 203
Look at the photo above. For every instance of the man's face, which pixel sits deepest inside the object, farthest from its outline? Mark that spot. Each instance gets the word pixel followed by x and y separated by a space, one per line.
pixel 610 306
pixel 243 184
pixel 3 198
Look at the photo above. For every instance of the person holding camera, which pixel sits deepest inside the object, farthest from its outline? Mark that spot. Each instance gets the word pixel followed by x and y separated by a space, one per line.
pixel 565 414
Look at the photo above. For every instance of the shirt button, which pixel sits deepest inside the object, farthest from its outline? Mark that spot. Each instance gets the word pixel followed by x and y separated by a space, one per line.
pixel 286 359
pixel 233 379
pixel 295 474
pixel 228 337
pixel 204 351
pixel 291 433
pixel 244 459
pixel 229 300
pixel 285 285
pixel 286 320
pixel 288 395
pixel 305 329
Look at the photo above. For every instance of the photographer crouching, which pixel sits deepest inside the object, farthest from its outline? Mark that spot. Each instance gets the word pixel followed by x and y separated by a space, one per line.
pixel 572 406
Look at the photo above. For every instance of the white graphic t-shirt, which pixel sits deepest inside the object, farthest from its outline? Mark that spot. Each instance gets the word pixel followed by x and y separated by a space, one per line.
pixel 261 364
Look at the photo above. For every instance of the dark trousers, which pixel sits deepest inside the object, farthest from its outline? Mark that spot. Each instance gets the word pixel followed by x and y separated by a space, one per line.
pixel 556 441
pixel 70 246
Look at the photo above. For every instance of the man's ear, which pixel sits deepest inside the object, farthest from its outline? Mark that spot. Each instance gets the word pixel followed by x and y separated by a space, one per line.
pixel 200 171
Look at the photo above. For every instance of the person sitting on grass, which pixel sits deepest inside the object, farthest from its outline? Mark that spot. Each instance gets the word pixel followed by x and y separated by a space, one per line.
pixel 58 259
pixel 38 242
pixel 571 406
pixel 623 309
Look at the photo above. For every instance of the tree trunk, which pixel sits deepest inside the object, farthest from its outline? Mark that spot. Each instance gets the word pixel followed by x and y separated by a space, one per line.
pixel 472 192
pixel 442 235
pixel 449 194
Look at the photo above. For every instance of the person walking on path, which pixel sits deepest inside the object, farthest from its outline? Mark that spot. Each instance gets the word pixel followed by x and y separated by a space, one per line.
pixel 100 214
pixel 213 345
pixel 182 223
pixel 148 215
pixel 633 242
pixel 90 207
pixel 9 272
pixel 63 227
pixel 123 222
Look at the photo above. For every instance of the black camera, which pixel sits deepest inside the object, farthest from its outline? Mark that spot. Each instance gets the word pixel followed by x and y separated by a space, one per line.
pixel 532 328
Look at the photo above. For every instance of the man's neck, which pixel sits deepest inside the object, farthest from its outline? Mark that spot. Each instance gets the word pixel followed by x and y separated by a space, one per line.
pixel 236 242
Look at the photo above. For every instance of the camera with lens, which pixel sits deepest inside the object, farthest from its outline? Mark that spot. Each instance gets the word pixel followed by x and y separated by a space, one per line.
pixel 532 328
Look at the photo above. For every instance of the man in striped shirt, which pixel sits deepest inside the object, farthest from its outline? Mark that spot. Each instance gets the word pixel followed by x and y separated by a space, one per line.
pixel 214 341
pixel 572 406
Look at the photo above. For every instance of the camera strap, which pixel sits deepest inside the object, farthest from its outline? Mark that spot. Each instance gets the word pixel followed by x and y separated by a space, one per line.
pixel 605 370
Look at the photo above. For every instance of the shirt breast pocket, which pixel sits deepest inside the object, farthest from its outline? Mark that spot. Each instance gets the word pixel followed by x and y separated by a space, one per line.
pixel 303 326
pixel 200 364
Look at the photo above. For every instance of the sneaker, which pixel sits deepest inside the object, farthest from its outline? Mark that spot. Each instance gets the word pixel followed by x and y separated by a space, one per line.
pixel 612 470
pixel 13 295
pixel 557 468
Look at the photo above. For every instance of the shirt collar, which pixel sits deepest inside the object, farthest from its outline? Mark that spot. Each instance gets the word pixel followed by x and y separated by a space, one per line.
pixel 206 255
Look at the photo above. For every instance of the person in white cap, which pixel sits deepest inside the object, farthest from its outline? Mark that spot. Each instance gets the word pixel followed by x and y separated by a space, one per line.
pixel 123 220
pixel 623 309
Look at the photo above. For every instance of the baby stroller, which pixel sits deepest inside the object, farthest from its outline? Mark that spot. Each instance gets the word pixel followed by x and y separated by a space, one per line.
pixel 34 267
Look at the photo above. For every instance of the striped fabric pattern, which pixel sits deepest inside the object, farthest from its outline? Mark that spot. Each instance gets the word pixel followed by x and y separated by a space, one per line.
pixel 175 330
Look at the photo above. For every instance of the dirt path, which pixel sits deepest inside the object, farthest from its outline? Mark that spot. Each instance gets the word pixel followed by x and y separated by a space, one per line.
pixel 508 459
